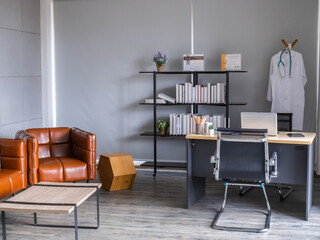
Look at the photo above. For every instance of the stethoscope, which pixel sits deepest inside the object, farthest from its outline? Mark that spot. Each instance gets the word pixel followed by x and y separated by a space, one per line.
pixel 282 63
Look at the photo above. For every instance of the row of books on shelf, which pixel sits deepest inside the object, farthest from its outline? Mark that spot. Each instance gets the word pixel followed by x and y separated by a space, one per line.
pixel 184 123
pixel 210 93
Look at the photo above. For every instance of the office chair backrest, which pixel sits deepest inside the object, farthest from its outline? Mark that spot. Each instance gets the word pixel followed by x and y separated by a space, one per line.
pixel 242 160
pixel 242 155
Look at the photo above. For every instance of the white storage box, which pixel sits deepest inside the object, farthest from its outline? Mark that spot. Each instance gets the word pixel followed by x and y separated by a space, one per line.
pixel 193 62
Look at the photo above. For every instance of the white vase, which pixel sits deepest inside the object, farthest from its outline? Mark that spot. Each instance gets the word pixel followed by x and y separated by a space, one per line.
pixel 211 132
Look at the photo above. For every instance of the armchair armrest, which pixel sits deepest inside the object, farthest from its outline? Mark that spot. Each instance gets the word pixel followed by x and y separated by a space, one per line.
pixel 13 155
pixel 32 155
pixel 84 148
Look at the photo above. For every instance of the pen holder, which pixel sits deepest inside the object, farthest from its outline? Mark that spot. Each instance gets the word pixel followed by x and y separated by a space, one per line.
pixel 199 128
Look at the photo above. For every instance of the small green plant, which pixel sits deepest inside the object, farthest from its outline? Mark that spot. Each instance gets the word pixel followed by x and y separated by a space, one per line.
pixel 211 127
pixel 162 124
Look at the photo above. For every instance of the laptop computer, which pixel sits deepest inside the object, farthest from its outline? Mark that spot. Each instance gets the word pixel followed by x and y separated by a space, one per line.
pixel 260 120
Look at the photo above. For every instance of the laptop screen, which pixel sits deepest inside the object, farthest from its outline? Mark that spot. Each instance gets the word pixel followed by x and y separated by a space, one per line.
pixel 260 120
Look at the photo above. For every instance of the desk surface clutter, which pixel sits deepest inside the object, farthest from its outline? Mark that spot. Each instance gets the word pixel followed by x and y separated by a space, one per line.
pixel 282 137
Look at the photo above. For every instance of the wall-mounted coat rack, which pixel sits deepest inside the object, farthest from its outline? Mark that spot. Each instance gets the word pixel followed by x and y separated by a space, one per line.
pixel 287 45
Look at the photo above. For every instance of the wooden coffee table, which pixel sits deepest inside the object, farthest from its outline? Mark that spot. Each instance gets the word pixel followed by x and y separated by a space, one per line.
pixel 51 197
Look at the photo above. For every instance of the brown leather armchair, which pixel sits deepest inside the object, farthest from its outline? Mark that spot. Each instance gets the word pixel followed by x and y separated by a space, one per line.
pixel 13 171
pixel 59 154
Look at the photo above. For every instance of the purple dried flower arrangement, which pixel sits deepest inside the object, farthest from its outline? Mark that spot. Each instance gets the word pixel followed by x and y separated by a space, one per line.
pixel 159 59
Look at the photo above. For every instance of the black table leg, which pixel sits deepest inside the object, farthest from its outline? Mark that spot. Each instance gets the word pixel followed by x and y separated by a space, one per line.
pixel 35 220
pixel 98 211
pixel 3 218
pixel 76 222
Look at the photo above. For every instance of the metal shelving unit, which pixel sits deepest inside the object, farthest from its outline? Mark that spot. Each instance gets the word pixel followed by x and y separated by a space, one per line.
pixel 195 78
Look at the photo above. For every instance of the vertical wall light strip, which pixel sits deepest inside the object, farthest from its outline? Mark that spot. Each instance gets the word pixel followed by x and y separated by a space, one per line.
pixel 53 71
pixel 192 32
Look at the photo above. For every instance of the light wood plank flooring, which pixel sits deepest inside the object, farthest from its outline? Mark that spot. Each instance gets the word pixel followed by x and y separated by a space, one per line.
pixel 155 209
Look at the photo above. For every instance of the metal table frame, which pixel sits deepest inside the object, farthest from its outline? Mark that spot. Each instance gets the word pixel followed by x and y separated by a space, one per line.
pixel 75 226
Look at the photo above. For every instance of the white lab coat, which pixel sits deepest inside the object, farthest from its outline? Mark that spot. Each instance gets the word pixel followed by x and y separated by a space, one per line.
pixel 287 94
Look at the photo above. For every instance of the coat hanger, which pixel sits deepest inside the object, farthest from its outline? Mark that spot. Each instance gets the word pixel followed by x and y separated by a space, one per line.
pixel 289 46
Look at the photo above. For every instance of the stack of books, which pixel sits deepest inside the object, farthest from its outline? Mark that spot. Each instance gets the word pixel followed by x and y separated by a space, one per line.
pixel 162 99
pixel 184 123
pixel 209 94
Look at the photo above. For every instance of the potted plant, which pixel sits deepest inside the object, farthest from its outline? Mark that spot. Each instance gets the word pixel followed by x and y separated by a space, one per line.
pixel 211 130
pixel 163 127
pixel 160 61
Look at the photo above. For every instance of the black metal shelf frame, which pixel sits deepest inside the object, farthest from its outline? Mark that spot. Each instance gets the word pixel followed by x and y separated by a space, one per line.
pixel 195 75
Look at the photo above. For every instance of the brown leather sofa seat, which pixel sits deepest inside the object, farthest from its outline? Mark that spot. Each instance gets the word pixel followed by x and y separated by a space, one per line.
pixel 60 154
pixel 13 171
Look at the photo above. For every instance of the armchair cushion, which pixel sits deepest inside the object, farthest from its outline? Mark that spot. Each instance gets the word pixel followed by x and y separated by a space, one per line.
pixel 50 169
pixel 73 169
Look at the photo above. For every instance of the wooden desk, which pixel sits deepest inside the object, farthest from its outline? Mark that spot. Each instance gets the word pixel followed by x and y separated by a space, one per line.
pixel 295 163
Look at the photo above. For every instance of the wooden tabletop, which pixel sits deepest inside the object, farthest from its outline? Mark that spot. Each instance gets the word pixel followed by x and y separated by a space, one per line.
pixel 282 138
pixel 50 192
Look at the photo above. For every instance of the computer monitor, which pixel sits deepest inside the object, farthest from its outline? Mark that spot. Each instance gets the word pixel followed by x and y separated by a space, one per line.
pixel 260 120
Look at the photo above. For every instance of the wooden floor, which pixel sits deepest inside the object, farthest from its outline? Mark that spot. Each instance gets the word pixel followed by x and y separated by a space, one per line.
pixel 155 209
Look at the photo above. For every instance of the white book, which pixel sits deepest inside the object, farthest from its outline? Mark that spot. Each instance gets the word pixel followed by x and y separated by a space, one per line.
pixel 187 124
pixel 177 93
pixel 184 124
pixel 191 124
pixel 220 121
pixel 214 93
pixel 171 124
pixel 177 124
pixel 205 94
pixel 183 93
pixel 198 90
pixel 209 93
pixel 181 124
pixel 166 97
pixel 210 120
pixel 180 93
pixel 186 92
pixel 202 94
pixel 218 93
pixel 158 100
pixel 222 93
pixel 193 94
pixel 190 93
pixel 214 121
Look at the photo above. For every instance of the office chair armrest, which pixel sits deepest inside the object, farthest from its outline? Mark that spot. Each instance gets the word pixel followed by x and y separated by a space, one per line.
pixel 273 162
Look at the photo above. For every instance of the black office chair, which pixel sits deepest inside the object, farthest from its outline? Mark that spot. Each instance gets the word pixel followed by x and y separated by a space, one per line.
pixel 242 159
pixel 283 119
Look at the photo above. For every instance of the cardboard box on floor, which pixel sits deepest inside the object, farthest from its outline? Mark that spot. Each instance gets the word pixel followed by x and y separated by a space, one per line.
pixel 116 171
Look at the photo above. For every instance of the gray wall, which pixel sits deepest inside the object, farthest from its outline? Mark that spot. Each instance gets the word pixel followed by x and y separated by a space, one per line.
pixel 20 66
pixel 101 45
pixel 100 48
pixel 254 28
